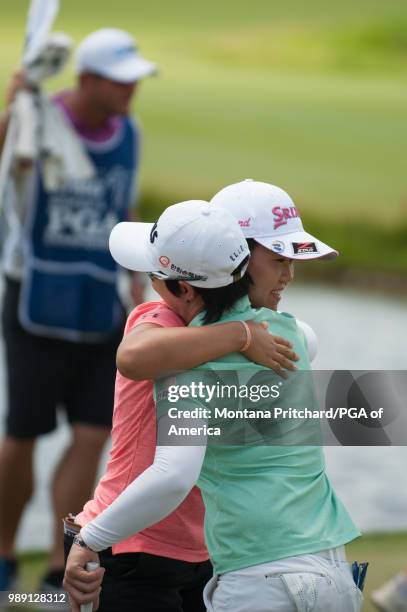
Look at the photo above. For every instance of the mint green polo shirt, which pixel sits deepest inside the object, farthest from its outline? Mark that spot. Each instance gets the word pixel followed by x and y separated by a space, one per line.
pixel 266 502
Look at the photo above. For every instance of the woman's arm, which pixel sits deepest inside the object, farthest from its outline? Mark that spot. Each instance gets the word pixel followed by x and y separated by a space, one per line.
pixel 150 351
pixel 153 495
pixel 148 499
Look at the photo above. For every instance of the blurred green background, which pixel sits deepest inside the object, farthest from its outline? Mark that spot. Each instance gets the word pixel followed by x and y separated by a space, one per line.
pixel 311 96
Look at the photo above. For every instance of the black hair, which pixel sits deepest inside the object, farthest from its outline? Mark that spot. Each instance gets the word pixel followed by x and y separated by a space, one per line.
pixel 251 243
pixel 219 300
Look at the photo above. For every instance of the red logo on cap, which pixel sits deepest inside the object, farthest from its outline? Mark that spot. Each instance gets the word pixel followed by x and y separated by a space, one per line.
pixel 164 261
pixel 282 215
pixel 245 222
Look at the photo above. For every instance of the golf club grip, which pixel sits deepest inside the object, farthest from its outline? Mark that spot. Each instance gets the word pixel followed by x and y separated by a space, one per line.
pixel 90 567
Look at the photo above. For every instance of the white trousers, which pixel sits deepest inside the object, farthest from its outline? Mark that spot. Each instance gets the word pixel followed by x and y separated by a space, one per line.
pixel 319 582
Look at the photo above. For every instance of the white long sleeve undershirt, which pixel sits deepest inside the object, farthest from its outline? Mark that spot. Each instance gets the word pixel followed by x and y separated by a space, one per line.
pixel 151 497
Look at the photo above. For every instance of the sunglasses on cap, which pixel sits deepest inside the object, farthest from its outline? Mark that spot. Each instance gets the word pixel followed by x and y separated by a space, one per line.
pixel 153 275
pixel 187 277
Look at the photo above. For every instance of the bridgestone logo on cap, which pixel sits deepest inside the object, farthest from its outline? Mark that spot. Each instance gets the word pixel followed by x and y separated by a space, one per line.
pixel 187 275
pixel 304 248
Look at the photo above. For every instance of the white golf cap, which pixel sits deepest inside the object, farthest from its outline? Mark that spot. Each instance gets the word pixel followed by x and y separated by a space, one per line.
pixel 267 214
pixel 113 54
pixel 191 241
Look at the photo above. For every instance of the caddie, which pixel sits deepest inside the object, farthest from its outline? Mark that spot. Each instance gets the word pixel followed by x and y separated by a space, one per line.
pixel 62 315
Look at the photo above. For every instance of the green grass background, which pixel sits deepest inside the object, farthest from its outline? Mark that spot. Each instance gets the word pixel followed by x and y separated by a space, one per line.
pixel 311 96
pixel 386 554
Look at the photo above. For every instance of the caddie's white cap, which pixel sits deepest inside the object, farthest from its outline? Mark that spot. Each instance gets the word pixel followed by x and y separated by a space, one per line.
pixel 267 214
pixel 113 54
pixel 191 241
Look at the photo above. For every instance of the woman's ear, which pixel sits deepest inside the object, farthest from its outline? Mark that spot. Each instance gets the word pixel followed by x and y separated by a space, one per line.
pixel 188 292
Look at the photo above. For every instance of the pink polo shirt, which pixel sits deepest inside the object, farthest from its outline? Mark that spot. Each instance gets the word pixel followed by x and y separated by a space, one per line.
pixel 179 535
